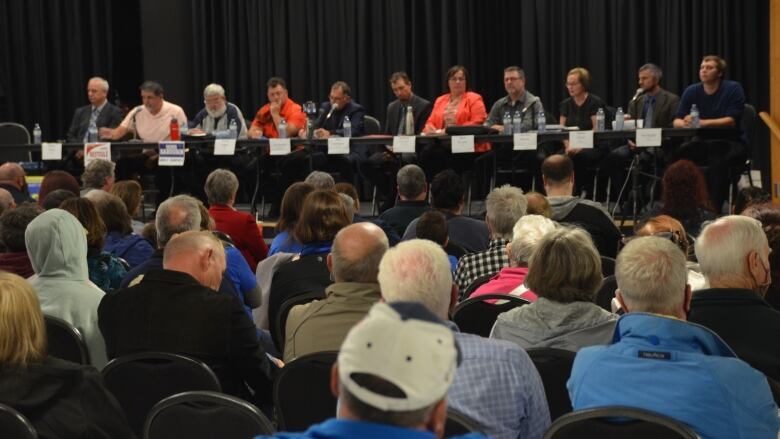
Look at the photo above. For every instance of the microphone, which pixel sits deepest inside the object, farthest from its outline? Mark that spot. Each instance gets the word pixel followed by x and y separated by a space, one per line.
pixel 333 108
pixel 639 92
pixel 533 101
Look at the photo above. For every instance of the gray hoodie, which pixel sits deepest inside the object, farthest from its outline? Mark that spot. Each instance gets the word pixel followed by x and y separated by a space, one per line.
pixel 57 245
pixel 561 206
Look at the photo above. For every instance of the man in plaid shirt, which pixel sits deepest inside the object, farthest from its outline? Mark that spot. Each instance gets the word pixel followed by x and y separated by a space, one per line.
pixel 505 205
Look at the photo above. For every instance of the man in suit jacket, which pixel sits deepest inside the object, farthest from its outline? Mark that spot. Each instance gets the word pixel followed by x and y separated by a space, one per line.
pixel 382 167
pixel 106 114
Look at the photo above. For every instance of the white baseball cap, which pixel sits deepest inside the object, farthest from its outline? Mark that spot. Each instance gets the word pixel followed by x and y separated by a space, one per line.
pixel 408 346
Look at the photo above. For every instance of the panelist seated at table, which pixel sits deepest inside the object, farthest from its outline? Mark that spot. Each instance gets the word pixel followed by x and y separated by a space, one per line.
pixel 279 106
pixel 99 113
pixel 218 114
pixel 151 122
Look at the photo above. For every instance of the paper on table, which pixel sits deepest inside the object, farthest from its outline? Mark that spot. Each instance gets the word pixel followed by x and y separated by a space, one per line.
pixel 462 144
pixel 581 139
pixel 648 137
pixel 338 145
pixel 525 141
pixel 225 147
pixel 171 154
pixel 279 146
pixel 403 144
pixel 51 151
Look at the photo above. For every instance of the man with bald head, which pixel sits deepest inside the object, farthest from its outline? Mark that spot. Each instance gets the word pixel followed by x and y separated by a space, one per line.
pixel 6 201
pixel 177 309
pixel 353 264
pixel 98 114
pixel 12 179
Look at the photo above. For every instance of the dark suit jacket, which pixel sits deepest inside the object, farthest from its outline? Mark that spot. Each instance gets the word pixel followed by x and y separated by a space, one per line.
pixel 421 109
pixel 335 124
pixel 170 311
pixel 110 116
pixel 663 112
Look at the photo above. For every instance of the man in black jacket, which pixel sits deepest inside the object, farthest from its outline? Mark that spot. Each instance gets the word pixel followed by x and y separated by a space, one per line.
pixel 99 112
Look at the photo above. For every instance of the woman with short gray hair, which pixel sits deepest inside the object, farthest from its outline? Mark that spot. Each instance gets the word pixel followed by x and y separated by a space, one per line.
pixel 221 188
pixel 565 273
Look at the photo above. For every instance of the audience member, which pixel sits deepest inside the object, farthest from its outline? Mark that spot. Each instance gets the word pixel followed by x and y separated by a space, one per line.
pixel 221 188
pixel 526 234
pixel 6 201
pixel 496 384
pixel 99 174
pixel 447 195
pixel 412 199
pixel 433 227
pixel 56 180
pixel 131 193
pixel 505 205
pixel 770 222
pixel 565 273
pixel 292 204
pixel 177 309
pixel 684 196
pixel 105 270
pixel 218 114
pixel 322 181
pixel 55 198
pixel 12 179
pixel 349 190
pixel 559 176
pixel 13 223
pixel 749 196
pixel 120 239
pixel 733 253
pixel 661 363
pixel 538 205
pixel 57 246
pixel 353 262
pixel 61 399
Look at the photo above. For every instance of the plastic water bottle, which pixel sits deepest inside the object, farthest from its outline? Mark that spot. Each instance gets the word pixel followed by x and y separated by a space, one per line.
pixel 309 128
pixel 517 122
pixel 695 121
pixel 282 128
pixel 541 122
pixel 347 127
pixel 507 123
pixel 183 128
pixel 233 129
pixel 600 120
pixel 37 134
pixel 619 119
pixel 409 122
pixel 93 133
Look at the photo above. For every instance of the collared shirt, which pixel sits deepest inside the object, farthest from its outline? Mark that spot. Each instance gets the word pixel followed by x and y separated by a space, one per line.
pixel 290 111
pixel 497 385
pixel 346 429
pixel 504 105
pixel 475 265
pixel 154 127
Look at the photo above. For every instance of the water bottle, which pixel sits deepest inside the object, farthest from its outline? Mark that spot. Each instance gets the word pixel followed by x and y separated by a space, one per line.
pixel 309 128
pixel 600 120
pixel 37 134
pixel 233 128
pixel 174 134
pixel 409 122
pixel 517 122
pixel 507 123
pixel 695 121
pixel 541 122
pixel 619 119
pixel 183 128
pixel 347 127
pixel 93 133
pixel 282 128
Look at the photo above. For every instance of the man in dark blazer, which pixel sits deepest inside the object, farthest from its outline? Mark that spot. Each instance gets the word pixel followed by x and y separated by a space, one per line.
pixel 107 114
pixel 381 168
pixel 178 309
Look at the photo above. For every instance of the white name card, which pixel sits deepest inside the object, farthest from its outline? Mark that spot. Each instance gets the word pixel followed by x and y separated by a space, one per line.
pixel 51 151
pixel 338 145
pixel 94 151
pixel 462 144
pixel 403 144
pixel 279 146
pixel 647 137
pixel 225 147
pixel 171 154
pixel 581 139
pixel 525 141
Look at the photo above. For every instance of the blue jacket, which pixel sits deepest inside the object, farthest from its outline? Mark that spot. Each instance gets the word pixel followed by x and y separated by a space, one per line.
pixel 346 429
pixel 132 248
pixel 678 369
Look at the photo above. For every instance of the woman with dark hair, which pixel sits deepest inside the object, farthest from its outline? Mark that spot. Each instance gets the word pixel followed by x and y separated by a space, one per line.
pixel 684 196
pixel 769 216
pixel 54 180
pixel 61 399
pixel 105 270
pixel 131 193
pixel 292 204
pixel 120 239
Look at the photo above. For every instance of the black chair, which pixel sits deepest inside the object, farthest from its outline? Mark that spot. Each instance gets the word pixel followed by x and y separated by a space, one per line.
pixel 618 422
pixel 748 126
pixel 65 341
pixel 606 293
pixel 554 366
pixel 607 266
pixel 205 415
pixel 474 316
pixel 476 283
pixel 279 326
pixel 14 425
pixel 139 381
pixel 12 133
pixel 459 424
pixel 302 395
pixel 371 125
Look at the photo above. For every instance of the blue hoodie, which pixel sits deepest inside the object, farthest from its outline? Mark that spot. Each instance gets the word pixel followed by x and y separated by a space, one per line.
pixel 132 248
pixel 678 369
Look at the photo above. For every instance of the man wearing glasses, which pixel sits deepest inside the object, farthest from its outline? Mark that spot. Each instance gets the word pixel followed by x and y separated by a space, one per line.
pixel 218 114
pixel 517 99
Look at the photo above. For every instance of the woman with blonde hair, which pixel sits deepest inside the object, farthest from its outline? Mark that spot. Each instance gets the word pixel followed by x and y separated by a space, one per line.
pixel 60 398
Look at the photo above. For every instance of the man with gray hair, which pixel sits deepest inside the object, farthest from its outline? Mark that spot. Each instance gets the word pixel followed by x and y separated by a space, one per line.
pixel 218 114
pixel 661 363
pixel 321 180
pixel 733 254
pixel 412 199
pixel 353 262
pixel 505 205
pixel 496 384
pixel 99 174
pixel 98 114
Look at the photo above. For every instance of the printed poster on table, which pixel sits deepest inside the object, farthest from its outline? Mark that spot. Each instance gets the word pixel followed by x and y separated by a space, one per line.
pixel 171 154
pixel 94 151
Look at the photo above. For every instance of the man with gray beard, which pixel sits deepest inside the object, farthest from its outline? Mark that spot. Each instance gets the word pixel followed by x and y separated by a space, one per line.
pixel 217 114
